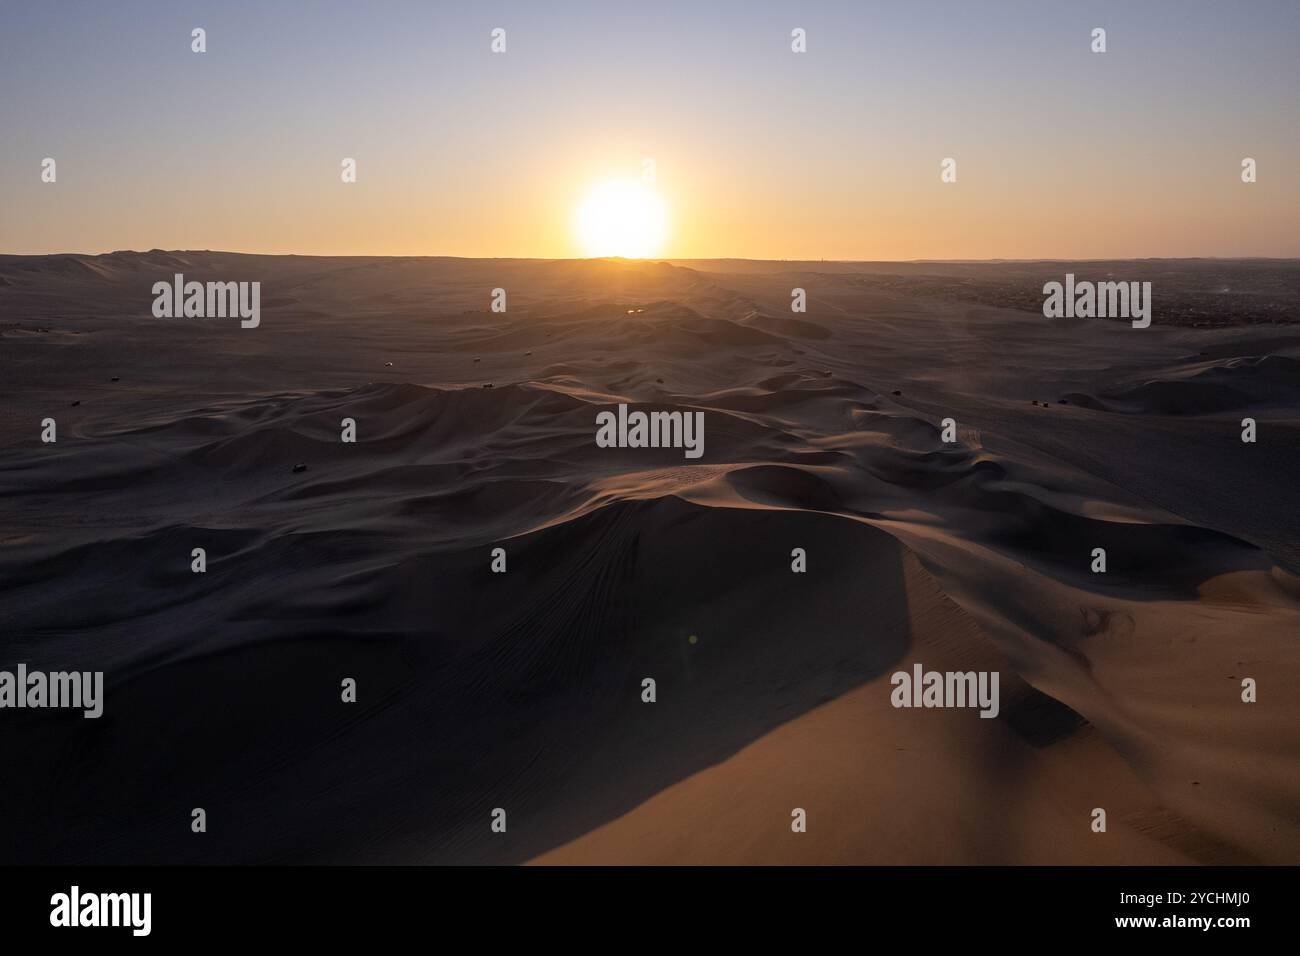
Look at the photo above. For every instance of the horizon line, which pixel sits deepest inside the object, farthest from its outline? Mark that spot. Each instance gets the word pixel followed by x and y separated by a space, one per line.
pixel 650 259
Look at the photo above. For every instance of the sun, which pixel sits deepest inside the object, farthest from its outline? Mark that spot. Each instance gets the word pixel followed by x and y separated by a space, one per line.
pixel 622 218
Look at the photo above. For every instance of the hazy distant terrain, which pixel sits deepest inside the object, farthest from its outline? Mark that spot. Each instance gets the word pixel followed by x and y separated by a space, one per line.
pixel 522 690
pixel 1203 293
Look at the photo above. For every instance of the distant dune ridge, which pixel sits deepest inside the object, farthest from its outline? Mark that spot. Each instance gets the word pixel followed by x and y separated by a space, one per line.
pixel 522 690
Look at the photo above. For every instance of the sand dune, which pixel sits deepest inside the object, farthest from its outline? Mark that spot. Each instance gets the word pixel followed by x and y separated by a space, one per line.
pixel 522 690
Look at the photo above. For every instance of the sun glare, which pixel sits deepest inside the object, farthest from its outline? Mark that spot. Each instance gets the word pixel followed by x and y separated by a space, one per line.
pixel 622 218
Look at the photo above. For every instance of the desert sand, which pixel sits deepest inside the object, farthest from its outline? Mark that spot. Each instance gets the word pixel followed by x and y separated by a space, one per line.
pixel 522 690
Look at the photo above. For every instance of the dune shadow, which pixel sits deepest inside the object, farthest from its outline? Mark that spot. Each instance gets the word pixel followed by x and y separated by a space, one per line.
pixel 476 690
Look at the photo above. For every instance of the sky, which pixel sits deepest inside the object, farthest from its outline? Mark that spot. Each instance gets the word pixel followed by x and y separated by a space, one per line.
pixel 759 152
